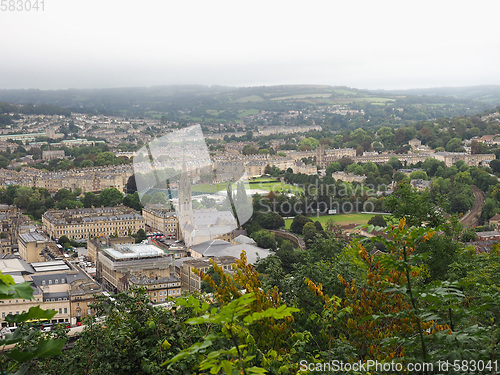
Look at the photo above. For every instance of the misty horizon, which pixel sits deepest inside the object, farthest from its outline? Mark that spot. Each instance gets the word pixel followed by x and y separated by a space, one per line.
pixel 366 45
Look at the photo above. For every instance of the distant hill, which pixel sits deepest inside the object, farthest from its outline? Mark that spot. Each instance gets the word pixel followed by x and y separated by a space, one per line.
pixel 198 103
pixel 489 94
pixel 139 100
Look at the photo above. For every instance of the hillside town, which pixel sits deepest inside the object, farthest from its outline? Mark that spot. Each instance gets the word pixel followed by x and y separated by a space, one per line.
pixel 98 206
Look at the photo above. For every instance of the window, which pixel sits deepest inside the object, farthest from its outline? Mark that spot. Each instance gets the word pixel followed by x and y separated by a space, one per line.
pixel 154 294
pixel 57 281
pixel 50 282
pixel 60 310
pixel 65 310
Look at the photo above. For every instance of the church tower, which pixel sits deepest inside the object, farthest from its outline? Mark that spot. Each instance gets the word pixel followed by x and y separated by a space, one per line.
pixel 185 208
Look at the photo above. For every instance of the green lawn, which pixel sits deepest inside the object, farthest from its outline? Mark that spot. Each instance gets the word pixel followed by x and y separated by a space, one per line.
pixel 263 184
pixel 247 112
pixel 249 99
pixel 214 112
pixel 341 219
pixel 262 179
pixel 276 186
pixel 303 96
pixel 209 188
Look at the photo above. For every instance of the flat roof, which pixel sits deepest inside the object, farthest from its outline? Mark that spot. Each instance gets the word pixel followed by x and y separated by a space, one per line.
pixel 32 237
pixel 56 265
pixel 124 251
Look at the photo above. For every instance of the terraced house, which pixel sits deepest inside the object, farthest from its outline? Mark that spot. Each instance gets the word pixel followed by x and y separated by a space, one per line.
pixel 84 223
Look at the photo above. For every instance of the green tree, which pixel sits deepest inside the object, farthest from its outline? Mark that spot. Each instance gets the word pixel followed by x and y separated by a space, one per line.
pixel 90 199
pixel 133 201
pixel 140 236
pixel 416 207
pixel 64 194
pixel 22 357
pixel 298 223
pixel 377 220
pixel 86 164
pixel 128 335
pixel 105 158
pixel 454 145
pixel 69 204
pixel 110 197
pixel 265 239
pixel 418 175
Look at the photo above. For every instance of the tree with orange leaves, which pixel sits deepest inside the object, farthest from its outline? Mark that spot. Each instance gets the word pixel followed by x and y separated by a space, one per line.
pixel 380 317
pixel 273 338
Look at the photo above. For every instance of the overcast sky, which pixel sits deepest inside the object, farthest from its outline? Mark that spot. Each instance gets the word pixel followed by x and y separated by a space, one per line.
pixel 363 44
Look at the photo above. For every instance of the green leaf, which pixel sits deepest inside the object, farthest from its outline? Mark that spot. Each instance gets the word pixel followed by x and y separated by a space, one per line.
pixel 45 348
pixel 34 312
pixel 227 366
pixel 256 370
pixel 7 279
pixel 23 290
pixel 279 313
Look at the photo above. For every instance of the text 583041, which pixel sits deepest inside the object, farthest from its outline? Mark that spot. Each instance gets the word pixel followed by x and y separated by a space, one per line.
pixel 22 5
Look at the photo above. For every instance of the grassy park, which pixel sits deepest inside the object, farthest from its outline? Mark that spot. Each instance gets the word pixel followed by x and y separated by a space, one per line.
pixel 341 219
pixel 262 183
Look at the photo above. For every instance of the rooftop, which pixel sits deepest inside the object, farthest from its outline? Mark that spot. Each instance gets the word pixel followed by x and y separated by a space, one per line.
pixel 129 251
pixel 56 265
pixel 32 237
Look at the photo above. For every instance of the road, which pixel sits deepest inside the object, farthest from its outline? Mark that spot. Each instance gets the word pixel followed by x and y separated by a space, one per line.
pixel 470 219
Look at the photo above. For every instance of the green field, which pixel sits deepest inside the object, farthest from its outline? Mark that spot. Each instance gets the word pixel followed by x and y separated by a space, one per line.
pixel 247 112
pixel 341 219
pixel 249 99
pixel 210 188
pixel 263 184
pixel 374 100
pixel 267 184
pixel 303 96
pixel 214 112
pixel 277 187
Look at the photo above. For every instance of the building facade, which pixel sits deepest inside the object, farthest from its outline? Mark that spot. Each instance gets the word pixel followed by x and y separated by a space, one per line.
pixel 56 285
pixel 161 219
pixel 85 223
pixel 94 245
pixel 120 266
pixel 31 246
pixel 12 222
pixel 192 282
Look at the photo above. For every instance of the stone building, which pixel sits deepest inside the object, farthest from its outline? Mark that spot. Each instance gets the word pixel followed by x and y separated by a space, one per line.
pixel 121 266
pixel 161 219
pixel 32 245
pixel 192 282
pixel 53 154
pixel 94 245
pixel 12 222
pixel 85 223
pixel 56 285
